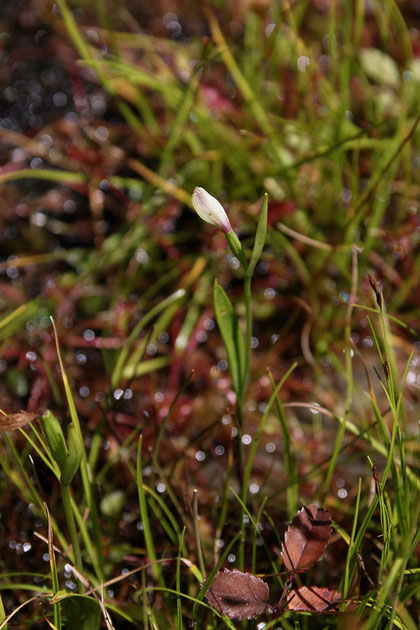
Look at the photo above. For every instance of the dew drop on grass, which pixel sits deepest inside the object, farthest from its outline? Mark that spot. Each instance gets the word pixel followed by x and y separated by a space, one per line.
pixel 246 439
pixel 209 324
pixel 200 456
pixel 118 393
pixel 163 337
pixel 303 62
pixel 81 358
pixel 219 450
pixel 12 272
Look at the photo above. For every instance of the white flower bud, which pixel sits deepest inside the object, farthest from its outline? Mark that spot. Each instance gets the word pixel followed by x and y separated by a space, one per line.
pixel 210 210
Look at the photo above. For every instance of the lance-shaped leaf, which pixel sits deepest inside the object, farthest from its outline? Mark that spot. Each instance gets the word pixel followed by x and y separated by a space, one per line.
pixel 231 334
pixel 74 455
pixel 306 538
pixel 16 420
pixel 55 438
pixel 238 595
pixel 313 598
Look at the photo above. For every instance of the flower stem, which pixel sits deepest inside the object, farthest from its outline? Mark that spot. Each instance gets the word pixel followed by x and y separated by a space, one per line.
pixel 248 331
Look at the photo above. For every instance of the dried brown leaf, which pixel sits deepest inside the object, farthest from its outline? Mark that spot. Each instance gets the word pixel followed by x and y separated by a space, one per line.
pixel 306 538
pixel 16 420
pixel 238 595
pixel 313 598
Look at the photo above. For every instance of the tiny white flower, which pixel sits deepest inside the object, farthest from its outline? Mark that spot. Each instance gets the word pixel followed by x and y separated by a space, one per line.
pixel 210 210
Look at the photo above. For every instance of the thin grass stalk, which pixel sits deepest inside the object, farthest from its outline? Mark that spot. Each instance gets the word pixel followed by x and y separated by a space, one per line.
pixel 254 524
pixel 349 380
pixel 225 503
pixel 33 492
pixel 248 338
pixel 249 464
pixel 3 614
pixel 256 533
pixel 71 526
pixel 53 568
pixel 87 541
pixel 346 580
pixel 198 548
pixel 179 624
pixel 86 478
pixel 290 462
pixel 148 536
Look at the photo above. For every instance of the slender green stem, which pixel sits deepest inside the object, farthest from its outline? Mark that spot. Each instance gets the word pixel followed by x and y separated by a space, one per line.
pixel 68 512
pixel 248 333
pixel 249 463
pixel 197 534
pixel 148 536
pixel 248 336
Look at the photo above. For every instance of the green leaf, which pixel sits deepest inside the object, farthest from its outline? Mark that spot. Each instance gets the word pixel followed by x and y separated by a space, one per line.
pixel 74 455
pixel 55 439
pixel 259 236
pixel 81 613
pixel 232 336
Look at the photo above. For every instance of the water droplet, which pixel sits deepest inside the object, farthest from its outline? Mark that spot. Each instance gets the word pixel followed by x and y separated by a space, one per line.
pixel 118 393
pixel 303 62
pixel 84 392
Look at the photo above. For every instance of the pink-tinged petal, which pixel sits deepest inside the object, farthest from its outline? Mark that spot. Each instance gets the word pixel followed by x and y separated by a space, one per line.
pixel 210 210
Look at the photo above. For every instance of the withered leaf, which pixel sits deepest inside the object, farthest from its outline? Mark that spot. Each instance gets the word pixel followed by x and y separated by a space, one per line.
pixel 313 598
pixel 306 538
pixel 238 595
pixel 16 420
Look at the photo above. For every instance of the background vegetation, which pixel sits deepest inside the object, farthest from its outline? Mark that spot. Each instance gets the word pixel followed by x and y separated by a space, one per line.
pixel 111 113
